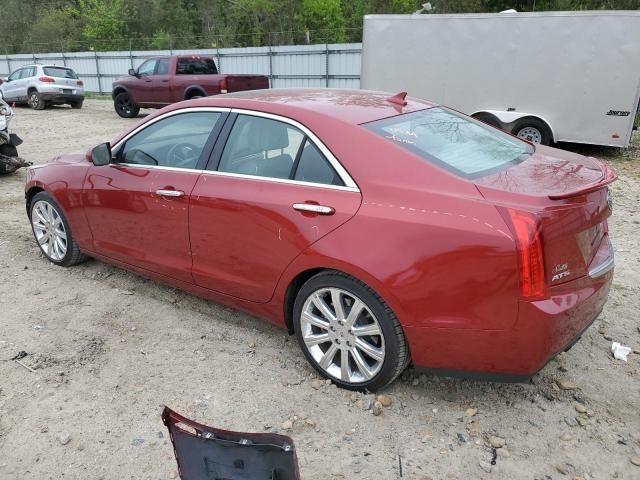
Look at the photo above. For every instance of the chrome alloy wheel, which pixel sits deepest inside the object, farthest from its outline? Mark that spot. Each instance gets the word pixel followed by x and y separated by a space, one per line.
pixel 34 100
pixel 49 230
pixel 531 134
pixel 342 335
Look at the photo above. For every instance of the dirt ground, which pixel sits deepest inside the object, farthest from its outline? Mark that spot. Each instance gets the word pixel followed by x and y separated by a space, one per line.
pixel 110 349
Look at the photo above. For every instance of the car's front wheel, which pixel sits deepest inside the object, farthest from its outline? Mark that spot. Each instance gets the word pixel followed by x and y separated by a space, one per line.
pixel 52 233
pixel 348 333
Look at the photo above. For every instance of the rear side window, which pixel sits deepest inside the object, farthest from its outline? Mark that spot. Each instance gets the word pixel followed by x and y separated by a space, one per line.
pixel 453 141
pixel 196 66
pixel 59 72
pixel 315 168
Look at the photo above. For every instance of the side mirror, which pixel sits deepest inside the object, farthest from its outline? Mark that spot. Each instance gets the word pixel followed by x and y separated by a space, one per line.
pixel 101 154
pixel 133 72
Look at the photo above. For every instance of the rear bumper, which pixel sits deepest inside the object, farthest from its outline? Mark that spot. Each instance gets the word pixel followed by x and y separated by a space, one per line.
pixel 543 329
pixel 61 97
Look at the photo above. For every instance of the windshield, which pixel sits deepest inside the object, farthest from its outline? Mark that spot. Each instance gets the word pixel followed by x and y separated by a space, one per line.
pixel 59 72
pixel 456 142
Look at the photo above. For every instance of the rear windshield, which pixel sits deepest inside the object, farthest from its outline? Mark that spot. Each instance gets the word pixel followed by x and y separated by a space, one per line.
pixel 59 72
pixel 455 142
pixel 200 66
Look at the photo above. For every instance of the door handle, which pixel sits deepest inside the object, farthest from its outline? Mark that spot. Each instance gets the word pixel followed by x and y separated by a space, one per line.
pixel 309 207
pixel 170 193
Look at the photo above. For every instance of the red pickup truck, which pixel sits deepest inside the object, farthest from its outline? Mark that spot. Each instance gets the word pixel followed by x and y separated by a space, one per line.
pixel 161 81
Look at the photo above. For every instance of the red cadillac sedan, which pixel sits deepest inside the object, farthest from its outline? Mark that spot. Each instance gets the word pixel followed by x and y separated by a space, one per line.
pixel 381 230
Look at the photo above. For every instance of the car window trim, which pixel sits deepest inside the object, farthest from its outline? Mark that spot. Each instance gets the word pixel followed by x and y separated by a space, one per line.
pixel 214 163
pixel 206 150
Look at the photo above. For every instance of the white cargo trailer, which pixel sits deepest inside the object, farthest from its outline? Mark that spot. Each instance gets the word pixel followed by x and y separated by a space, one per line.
pixel 550 76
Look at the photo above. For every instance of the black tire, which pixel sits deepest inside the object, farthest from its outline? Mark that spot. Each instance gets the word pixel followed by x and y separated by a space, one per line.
pixel 8 151
pixel 73 254
pixel 77 104
pixel 396 356
pixel 533 123
pixel 124 106
pixel 35 100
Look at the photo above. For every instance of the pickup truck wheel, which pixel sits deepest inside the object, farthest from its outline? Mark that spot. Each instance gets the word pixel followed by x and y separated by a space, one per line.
pixel 35 100
pixel 124 106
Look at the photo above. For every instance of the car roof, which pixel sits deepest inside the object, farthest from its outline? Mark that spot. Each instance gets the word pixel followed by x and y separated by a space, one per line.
pixel 347 105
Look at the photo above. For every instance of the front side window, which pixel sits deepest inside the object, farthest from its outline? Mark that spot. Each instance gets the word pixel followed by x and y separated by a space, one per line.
pixel 148 67
pixel 262 147
pixel 15 75
pixel 163 66
pixel 455 142
pixel 176 141
pixel 196 66
pixel 60 72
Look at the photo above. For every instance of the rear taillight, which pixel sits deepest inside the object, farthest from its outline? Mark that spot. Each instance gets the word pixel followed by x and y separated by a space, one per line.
pixel 526 229
pixel 80 83
pixel 47 79
pixel 223 85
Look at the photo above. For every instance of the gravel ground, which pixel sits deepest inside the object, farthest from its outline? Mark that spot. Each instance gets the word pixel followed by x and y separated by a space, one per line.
pixel 108 349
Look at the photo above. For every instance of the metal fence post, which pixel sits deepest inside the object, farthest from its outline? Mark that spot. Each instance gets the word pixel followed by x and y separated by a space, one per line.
pixel 326 61
pixel 218 54
pixel 130 54
pixel 98 73
pixel 270 62
pixel 8 65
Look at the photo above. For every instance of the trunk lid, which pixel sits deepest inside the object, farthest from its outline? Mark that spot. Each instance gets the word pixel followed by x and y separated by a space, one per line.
pixel 240 83
pixel 569 196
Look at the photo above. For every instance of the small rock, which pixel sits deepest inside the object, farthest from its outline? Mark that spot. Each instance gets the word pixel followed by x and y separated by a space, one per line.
pixel 461 438
pixel 470 412
pixel 385 400
pixel 565 468
pixel 316 384
pixel 562 368
pixel 580 408
pixel 127 292
pixel 64 438
pixel 287 425
pixel 366 404
pixel 582 421
pixel 503 452
pixel 565 437
pixel 497 442
pixel 327 381
pixel 635 461
pixel 415 382
pixel 136 442
pixel 44 429
pixel 377 409
pixel 486 466
pixel 566 384
pixel 310 422
pixel 252 345
pixel 133 329
pixel 354 398
pixel 570 421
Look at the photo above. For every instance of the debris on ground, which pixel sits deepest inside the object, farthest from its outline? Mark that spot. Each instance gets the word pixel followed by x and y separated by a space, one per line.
pixel 619 351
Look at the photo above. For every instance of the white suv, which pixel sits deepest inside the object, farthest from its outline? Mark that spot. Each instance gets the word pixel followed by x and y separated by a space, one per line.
pixel 42 85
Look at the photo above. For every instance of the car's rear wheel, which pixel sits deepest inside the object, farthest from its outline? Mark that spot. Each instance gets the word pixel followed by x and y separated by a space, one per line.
pixel 35 100
pixel 348 333
pixel 52 233
pixel 123 103
pixel 76 104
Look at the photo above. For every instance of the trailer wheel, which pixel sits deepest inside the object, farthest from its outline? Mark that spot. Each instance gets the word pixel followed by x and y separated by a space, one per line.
pixel 533 130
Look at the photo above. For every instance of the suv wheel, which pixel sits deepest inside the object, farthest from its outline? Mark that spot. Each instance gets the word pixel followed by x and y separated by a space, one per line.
pixel 35 100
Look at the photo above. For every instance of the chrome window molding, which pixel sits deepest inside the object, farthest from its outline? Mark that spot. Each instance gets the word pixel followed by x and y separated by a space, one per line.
pixel 162 117
pixel 349 183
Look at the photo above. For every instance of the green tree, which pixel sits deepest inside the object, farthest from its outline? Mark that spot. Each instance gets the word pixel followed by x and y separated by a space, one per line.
pixel 324 19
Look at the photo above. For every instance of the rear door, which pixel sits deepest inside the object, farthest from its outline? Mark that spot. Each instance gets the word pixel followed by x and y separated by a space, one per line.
pixel 273 189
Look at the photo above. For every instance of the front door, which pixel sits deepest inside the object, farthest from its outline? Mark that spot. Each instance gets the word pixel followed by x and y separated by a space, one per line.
pixel 141 87
pixel 137 206
pixel 273 193
pixel 12 86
